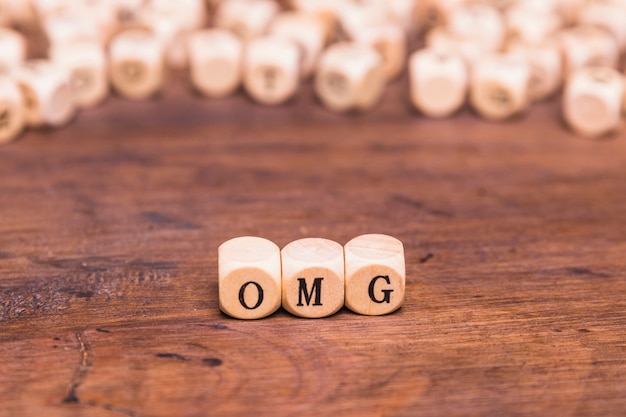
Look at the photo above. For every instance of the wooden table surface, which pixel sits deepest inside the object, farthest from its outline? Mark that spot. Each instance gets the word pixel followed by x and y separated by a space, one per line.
pixel 515 239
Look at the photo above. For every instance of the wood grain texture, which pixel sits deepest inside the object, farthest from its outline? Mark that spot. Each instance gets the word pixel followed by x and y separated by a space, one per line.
pixel 515 246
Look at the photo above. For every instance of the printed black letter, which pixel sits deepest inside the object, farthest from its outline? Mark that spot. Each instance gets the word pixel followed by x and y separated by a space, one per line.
pixel 242 291
pixel 316 288
pixel 386 293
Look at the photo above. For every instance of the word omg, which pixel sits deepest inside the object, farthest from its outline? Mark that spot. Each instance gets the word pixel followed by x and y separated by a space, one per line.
pixel 311 277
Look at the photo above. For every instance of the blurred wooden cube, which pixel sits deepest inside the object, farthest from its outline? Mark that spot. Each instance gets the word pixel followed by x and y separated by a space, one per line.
pixel 546 66
pixel 390 42
pixel 271 72
pixel 584 46
pixel 86 64
pixel 247 18
pixel 532 26
pixel 592 100
pixel 216 61
pixel 12 110
pixel 48 98
pixel 479 22
pixel 308 31
pixel 607 14
pixel 136 64
pixel 349 76
pixel 438 82
pixel 499 86
pixel 12 50
pixel 439 39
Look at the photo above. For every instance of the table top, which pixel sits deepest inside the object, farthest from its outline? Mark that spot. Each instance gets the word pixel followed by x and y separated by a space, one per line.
pixel 515 250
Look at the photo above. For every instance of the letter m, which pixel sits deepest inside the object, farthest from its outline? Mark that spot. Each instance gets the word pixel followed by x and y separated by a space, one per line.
pixel 316 288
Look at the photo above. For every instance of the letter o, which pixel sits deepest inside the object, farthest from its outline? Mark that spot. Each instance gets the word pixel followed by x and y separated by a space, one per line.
pixel 242 291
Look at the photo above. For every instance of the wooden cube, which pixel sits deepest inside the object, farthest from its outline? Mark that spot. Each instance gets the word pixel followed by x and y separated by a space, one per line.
pixel 592 100
pixel 326 10
pixel 438 82
pixel 45 8
pixel 584 46
pixel 479 22
pixel 356 17
pixel 398 12
pixel 171 23
pixel 186 14
pixel 375 274
pixel 313 277
pixel 471 50
pixel 568 10
pixel 215 62
pixel 18 13
pixel 307 31
pixel 249 271
pixel 246 18
pixel 72 25
pixel 127 12
pixel 499 86
pixel 271 69
pixel 530 25
pixel 546 66
pixel 13 50
pixel 349 76
pixel 390 42
pixel 609 15
pixel 85 62
pixel 48 98
pixel 12 111
pixel 136 64
pixel 435 13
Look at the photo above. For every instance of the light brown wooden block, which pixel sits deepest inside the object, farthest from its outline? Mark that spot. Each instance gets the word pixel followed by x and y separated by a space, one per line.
pixel 546 66
pixel 438 82
pixel 441 40
pixel 584 46
pixel 72 25
pixel 434 13
pixel 375 274
pixel 20 13
pixel 136 64
pixel 478 22
pixel 592 100
pixel 246 18
pixel 12 111
pixel 389 41
pixel 85 62
pixel 215 61
pixel 186 14
pixel 499 86
pixel 45 8
pixel 326 10
pixel 307 31
pixel 171 23
pixel 607 14
pixel 349 77
pixel 313 277
pixel 568 10
pixel 355 17
pixel 396 12
pixel 48 98
pixel 271 69
pixel 249 272
pixel 531 25
pixel 12 50
pixel 127 12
